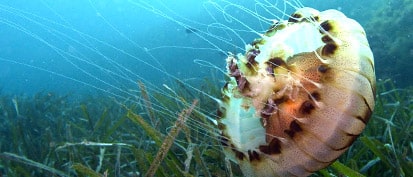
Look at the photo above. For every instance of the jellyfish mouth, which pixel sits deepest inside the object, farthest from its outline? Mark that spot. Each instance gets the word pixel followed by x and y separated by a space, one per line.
pixel 299 96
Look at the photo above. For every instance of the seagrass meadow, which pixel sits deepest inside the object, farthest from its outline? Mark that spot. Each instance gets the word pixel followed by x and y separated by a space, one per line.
pixel 54 135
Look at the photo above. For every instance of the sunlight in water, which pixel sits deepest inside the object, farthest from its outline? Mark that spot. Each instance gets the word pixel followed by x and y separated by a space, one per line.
pixel 160 56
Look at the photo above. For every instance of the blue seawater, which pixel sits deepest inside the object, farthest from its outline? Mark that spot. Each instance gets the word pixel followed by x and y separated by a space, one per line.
pixel 94 46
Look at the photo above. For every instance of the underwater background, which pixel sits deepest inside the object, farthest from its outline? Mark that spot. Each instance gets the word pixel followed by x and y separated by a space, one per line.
pixel 89 88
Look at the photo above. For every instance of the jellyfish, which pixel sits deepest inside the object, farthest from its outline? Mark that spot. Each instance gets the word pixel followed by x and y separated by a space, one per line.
pixel 299 96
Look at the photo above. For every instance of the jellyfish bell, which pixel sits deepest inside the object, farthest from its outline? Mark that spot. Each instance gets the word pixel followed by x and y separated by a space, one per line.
pixel 299 96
